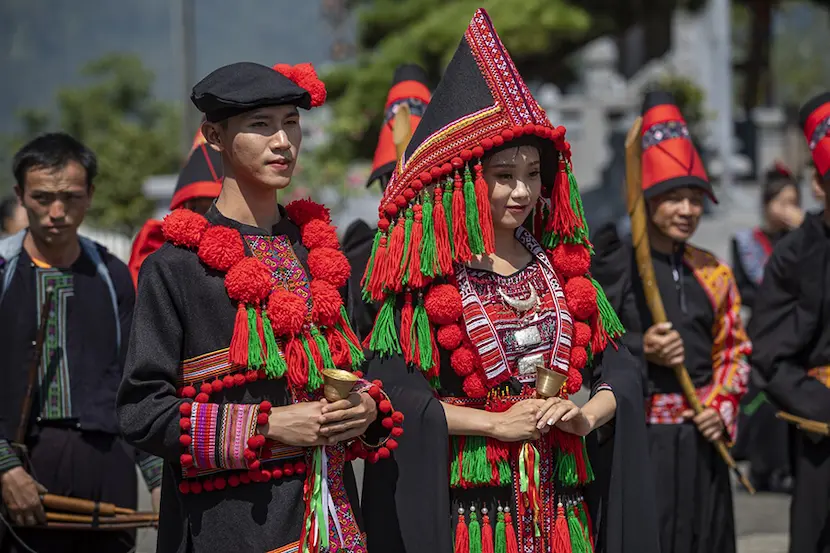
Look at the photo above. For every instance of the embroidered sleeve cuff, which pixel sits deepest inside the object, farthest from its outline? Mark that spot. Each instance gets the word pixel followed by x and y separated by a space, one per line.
pixel 151 468
pixel 220 434
pixel 603 386
pixel 727 407
pixel 8 458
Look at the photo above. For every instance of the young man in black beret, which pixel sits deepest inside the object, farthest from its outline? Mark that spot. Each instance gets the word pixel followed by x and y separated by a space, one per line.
pixel 237 317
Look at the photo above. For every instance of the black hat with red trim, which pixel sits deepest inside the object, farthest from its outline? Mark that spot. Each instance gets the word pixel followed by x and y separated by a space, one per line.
pixel 814 117
pixel 670 159
pixel 201 177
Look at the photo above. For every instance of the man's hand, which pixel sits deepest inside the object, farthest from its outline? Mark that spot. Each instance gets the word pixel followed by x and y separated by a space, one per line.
pixel 708 422
pixel 298 424
pixel 663 346
pixel 348 418
pixel 21 494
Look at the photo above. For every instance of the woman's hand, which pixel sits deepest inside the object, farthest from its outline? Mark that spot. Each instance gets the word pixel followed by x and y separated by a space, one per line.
pixel 348 418
pixel 518 423
pixel 565 415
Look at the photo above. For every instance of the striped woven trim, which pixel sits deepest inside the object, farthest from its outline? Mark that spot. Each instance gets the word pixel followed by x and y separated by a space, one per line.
pixel 151 470
pixel 8 458
pixel 219 434
pixel 290 548
pixel 206 366
pixel 279 452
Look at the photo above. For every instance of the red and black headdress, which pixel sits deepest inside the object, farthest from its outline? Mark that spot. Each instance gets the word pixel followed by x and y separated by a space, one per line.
pixel 815 120
pixel 201 176
pixel 409 86
pixel 436 210
pixel 670 159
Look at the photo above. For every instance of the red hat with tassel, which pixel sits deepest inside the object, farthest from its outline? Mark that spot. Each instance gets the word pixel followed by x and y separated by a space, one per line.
pixel 815 120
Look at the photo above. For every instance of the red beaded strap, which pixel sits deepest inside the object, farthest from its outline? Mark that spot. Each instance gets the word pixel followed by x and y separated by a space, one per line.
pixel 392 420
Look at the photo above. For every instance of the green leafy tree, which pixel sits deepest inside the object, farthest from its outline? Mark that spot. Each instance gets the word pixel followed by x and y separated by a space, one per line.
pixel 133 135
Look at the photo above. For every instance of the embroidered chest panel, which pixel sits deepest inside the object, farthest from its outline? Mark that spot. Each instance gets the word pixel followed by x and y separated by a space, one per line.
pixel 276 253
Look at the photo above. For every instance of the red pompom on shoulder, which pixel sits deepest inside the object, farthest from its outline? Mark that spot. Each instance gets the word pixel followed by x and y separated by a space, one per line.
pixel 450 336
pixel 582 334
pixel 579 358
pixel 319 234
pixel 221 248
pixel 302 211
pixel 248 281
pixel 574 381
pixel 326 302
pixel 330 265
pixel 287 312
pixel 443 304
pixel 463 361
pixel 474 385
pixel 571 260
pixel 581 297
pixel 185 228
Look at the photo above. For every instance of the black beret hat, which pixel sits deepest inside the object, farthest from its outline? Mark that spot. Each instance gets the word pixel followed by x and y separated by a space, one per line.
pixel 245 86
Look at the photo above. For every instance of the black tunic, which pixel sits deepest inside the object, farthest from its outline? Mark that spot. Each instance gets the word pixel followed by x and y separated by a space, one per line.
pixel 183 311
pixel 790 328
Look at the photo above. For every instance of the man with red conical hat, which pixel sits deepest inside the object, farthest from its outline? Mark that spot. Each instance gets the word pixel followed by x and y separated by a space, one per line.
pixel 790 330
pixel 704 332
pixel 409 88
pixel 199 183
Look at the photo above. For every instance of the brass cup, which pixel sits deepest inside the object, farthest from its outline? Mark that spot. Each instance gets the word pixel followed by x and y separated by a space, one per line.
pixel 548 382
pixel 337 384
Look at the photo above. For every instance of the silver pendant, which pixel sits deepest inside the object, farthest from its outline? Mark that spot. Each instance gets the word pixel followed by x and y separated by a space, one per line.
pixel 521 305
pixel 528 336
pixel 527 365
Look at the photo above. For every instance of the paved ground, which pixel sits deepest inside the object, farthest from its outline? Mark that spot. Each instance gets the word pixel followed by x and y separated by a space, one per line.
pixel 762 520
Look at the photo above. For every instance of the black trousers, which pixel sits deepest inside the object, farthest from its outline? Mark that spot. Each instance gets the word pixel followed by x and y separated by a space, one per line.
pixel 87 465
pixel 694 494
pixel 810 507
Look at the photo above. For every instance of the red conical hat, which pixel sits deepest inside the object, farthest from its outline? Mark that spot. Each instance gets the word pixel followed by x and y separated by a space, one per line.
pixel 815 120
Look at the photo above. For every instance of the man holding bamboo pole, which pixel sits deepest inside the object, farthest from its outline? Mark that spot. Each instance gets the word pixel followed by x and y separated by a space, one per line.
pixel 791 329
pixel 682 310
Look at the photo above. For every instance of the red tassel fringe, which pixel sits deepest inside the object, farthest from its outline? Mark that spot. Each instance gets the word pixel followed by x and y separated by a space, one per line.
pixel 377 280
pixel 442 234
pixel 486 535
pixel 563 220
pixel 260 330
pixel 560 538
pixel 484 215
pixel 315 353
pixel 416 278
pixel 297 362
pixel 510 534
pixel 406 327
pixel 459 223
pixel 462 536
pixel 238 354
pixel 393 257
pixel 339 348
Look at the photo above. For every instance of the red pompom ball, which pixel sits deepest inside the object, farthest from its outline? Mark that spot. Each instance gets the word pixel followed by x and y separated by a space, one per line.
pixel 306 77
pixel 186 460
pixel 185 408
pixel 248 281
pixel 449 336
pixel 474 385
pixel 276 473
pixel 582 334
pixel 185 228
pixel 228 381
pixel 574 382
pixel 303 211
pixel 384 453
pixel 397 432
pixel 384 406
pixel 208 485
pixel 288 470
pixel 189 391
pixel 244 478
pixel 221 248
pixel 184 424
pixel 265 407
pixel 579 358
pixel 443 304
pixel 262 418
pixel 239 379
pixel 397 416
pixel 217 385
pixel 185 440
pixel 206 388
pixel 319 234
pixel 299 468
pixel 287 312
pixel 571 260
pixel 330 265
pixel 219 483
pixel 463 361
pixel 202 398
pixel 391 444
pixel 184 488
pixel 581 297
pixel 233 480
pixel 326 303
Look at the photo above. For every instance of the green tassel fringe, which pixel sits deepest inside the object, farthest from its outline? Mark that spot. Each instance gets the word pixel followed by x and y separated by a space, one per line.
pixel 355 350
pixel 447 201
pixel 365 294
pixel 384 336
pixel 566 469
pixel 455 480
pixel 435 383
pixel 407 233
pixel 475 533
pixel 500 536
pixel 255 357
pixel 583 519
pixel 315 379
pixel 323 346
pixel 505 472
pixel 471 209
pixel 755 404
pixel 588 468
pixel 578 544
pixel 610 322
pixel 580 234
pixel 429 255
pixel 475 467
pixel 420 327
pixel 275 366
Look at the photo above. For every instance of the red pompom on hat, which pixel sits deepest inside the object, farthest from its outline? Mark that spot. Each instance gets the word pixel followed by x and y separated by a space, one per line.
pixel 304 76
pixel 581 297
pixel 326 302
pixel 319 234
pixel 582 334
pixel 248 281
pixel 221 248
pixel 303 211
pixel 579 358
pixel 450 336
pixel 443 304
pixel 463 361
pixel 474 385
pixel 571 260
pixel 185 228
pixel 330 265
pixel 287 312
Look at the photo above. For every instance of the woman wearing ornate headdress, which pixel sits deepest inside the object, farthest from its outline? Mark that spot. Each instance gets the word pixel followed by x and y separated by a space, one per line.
pixel 488 320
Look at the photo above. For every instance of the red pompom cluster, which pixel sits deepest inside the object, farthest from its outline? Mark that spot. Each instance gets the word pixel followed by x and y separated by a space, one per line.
pixel 327 302
pixel 464 361
pixel 304 76
pixel 571 260
pixel 248 281
pixel 287 312
pixel 443 304
pixel 221 248
pixel 329 264
pixel 185 228
pixel 450 336
pixel 303 211
pixel 320 234
pixel 392 420
pixel 581 297
pixel 582 335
